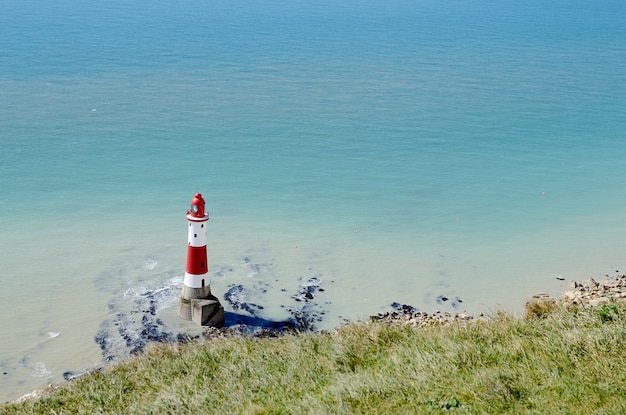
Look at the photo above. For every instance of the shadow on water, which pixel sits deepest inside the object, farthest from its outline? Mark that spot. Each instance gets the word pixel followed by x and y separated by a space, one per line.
pixel 255 322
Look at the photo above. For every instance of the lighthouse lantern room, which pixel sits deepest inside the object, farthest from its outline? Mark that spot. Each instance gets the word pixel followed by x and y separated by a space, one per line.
pixel 196 302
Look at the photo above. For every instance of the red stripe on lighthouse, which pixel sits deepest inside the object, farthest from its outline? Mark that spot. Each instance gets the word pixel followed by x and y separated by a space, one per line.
pixel 197 263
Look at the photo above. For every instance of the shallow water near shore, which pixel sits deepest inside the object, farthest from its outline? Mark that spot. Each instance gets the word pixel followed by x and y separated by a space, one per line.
pixel 449 156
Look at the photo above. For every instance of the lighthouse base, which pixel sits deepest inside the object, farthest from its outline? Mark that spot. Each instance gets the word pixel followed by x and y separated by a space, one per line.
pixel 201 307
pixel 207 313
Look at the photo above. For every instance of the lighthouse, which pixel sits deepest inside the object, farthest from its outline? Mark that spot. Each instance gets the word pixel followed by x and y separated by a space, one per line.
pixel 196 301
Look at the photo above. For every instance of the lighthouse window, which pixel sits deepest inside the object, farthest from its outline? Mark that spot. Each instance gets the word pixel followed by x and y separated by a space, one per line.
pixel 202 226
pixel 195 235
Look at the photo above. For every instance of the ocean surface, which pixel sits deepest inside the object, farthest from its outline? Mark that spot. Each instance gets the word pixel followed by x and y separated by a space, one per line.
pixel 451 155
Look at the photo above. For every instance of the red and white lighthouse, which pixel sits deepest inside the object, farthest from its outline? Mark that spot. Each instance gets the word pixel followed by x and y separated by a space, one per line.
pixel 197 264
pixel 196 302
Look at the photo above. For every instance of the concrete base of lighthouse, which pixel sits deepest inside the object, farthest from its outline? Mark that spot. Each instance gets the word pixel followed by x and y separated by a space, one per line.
pixel 201 307
pixel 207 312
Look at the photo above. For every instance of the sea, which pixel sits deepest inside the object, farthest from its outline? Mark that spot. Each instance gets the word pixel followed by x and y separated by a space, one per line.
pixel 451 155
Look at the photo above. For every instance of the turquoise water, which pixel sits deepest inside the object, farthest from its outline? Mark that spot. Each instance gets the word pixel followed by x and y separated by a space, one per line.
pixel 405 151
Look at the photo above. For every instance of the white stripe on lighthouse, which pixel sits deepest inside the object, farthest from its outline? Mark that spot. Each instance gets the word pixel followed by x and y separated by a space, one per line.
pixel 196 235
pixel 195 281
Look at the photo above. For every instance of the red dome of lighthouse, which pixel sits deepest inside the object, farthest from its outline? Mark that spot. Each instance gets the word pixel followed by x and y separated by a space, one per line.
pixel 197 206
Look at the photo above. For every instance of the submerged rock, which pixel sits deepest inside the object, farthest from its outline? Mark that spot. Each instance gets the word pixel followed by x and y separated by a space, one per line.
pixel 237 297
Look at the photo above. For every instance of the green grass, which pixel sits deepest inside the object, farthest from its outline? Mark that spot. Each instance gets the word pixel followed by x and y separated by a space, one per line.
pixel 562 362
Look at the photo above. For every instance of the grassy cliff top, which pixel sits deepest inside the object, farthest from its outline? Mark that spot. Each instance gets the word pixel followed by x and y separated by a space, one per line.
pixel 554 360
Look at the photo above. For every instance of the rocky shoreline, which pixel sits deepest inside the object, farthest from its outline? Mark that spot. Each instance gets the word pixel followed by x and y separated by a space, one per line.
pixel 409 315
pixel 591 293
pixel 586 294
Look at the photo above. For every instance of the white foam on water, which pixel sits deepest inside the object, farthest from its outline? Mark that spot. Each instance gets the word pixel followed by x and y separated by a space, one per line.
pixel 40 370
pixel 150 264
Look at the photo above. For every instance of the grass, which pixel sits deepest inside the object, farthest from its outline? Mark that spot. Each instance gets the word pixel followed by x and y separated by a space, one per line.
pixel 557 362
